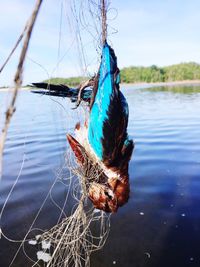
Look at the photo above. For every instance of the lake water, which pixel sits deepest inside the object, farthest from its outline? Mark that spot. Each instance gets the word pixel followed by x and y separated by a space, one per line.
pixel 160 225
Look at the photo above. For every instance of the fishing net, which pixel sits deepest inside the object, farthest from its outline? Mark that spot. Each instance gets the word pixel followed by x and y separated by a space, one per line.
pixel 81 233
pixel 70 242
pixel 84 229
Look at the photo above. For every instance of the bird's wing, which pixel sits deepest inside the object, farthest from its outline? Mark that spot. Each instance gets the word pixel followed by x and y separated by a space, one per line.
pixel 61 90
pixel 107 127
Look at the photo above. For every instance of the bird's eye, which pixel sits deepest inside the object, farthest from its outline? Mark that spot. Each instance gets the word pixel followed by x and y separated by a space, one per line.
pixel 108 195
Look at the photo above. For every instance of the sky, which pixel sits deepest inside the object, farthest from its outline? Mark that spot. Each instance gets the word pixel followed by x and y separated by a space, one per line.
pixel 142 32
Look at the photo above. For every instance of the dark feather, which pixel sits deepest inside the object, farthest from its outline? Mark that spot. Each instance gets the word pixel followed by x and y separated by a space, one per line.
pixel 61 90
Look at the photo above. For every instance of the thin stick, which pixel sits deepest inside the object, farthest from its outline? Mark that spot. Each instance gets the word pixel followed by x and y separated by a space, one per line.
pixel 18 80
pixel 104 24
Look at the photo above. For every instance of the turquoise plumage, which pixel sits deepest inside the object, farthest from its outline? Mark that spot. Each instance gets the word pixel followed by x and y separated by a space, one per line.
pixel 107 127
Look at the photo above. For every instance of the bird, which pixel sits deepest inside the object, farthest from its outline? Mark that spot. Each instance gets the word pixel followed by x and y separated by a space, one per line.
pixel 101 145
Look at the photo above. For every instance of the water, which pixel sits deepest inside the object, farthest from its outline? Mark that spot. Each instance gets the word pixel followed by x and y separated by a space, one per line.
pixel 160 225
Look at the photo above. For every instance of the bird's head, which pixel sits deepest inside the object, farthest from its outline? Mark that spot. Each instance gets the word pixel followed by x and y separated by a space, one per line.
pixel 102 197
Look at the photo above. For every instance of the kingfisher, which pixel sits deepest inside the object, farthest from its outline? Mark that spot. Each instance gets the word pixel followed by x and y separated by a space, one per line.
pixel 101 145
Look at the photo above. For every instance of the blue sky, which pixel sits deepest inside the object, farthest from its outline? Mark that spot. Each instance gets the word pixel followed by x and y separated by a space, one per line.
pixel 149 32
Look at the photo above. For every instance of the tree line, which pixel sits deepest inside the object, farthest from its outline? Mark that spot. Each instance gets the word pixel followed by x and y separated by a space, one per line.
pixel 134 74
pixel 178 72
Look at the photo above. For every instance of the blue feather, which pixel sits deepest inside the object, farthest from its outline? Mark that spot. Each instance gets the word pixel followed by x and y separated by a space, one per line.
pixel 98 113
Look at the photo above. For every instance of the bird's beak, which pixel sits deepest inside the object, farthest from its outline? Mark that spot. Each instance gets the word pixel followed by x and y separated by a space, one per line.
pixel 77 148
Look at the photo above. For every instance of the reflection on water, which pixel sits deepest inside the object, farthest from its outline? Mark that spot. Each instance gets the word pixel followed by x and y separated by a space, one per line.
pixel 160 225
pixel 182 89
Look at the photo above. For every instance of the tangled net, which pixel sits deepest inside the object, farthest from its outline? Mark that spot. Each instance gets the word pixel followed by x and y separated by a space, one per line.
pixel 84 231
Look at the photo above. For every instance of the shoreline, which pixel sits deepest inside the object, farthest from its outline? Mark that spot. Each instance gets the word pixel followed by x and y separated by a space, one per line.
pixel 185 82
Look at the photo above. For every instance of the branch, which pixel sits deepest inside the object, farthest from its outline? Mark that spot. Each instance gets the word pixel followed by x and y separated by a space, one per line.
pixel 104 19
pixel 18 79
